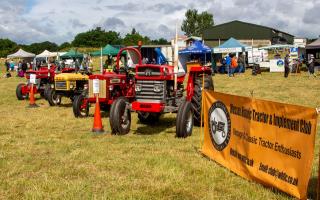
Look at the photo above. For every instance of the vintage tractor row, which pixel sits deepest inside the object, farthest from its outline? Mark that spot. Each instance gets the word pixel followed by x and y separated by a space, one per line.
pixel 44 79
pixel 159 89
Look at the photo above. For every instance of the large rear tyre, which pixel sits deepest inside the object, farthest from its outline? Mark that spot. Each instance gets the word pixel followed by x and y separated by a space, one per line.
pixel 120 117
pixel 53 98
pixel 184 123
pixel 197 96
pixel 80 106
pixel 19 94
pixel 148 118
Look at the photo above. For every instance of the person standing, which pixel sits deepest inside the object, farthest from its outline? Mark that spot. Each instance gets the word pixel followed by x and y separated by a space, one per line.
pixel 241 63
pixel 234 65
pixel 7 64
pixel 228 64
pixel 24 66
pixel 286 66
pixel 311 65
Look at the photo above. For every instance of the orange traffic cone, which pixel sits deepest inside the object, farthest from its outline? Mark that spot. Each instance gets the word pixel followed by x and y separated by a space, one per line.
pixel 97 123
pixel 32 102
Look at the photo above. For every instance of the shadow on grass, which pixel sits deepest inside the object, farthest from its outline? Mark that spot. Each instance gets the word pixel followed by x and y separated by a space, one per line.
pixel 162 125
pixel 65 105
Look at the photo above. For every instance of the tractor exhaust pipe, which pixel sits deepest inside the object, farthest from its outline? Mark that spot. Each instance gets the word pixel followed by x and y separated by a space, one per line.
pixel 175 59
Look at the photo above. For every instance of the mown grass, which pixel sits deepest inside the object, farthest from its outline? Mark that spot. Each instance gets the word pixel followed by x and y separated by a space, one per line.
pixel 46 153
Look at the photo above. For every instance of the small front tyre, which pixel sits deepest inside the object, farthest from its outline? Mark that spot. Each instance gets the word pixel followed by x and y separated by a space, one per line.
pixel 80 106
pixel 19 94
pixel 120 117
pixel 53 98
pixel 184 123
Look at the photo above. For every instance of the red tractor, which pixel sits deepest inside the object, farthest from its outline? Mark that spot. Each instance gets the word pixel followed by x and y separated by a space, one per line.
pixel 44 79
pixel 115 84
pixel 159 89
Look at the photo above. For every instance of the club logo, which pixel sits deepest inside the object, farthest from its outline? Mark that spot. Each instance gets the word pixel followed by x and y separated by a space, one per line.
pixel 219 125
pixel 280 63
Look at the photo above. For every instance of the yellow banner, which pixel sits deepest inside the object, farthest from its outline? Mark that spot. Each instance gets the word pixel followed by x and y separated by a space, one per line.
pixel 268 142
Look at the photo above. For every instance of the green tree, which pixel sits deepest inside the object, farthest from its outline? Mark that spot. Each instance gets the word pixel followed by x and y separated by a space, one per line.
pixel 65 46
pixel 160 41
pixel 7 47
pixel 37 48
pixel 195 23
pixel 133 39
pixel 96 38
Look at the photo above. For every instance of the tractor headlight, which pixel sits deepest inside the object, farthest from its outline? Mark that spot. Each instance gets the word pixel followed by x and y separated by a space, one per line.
pixel 71 86
pixel 157 88
pixel 110 87
pixel 138 88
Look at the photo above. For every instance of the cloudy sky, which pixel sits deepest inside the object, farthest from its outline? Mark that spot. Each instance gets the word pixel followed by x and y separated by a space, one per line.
pixel 28 21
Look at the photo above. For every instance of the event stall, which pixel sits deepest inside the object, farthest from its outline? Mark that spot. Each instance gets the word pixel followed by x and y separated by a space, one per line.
pixel 314 49
pixel 230 46
pixel 72 54
pixel 21 54
pixel 108 50
pixel 47 54
pixel 194 55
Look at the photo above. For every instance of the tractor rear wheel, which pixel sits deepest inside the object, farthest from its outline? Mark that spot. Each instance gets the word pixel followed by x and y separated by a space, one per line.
pixel 197 96
pixel 19 94
pixel 148 118
pixel 120 117
pixel 80 106
pixel 53 98
pixel 184 123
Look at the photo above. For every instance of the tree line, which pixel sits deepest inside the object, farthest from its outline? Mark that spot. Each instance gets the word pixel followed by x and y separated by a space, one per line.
pixel 93 38
pixel 193 24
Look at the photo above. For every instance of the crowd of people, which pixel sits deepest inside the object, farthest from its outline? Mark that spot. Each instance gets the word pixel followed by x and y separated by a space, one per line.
pixel 231 64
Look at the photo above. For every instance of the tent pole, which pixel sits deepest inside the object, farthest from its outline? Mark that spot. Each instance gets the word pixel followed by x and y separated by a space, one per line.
pixel 101 67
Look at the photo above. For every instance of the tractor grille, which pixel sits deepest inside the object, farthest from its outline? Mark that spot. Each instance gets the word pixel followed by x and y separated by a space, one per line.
pixel 148 71
pixel 61 85
pixel 151 91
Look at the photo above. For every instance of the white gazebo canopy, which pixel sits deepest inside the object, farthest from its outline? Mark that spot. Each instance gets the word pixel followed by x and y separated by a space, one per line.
pixel 46 54
pixel 21 54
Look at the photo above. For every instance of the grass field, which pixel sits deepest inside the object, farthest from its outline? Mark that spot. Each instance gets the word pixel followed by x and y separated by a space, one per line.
pixel 45 153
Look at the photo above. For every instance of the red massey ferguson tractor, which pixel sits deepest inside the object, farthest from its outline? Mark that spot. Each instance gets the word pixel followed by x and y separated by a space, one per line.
pixel 44 79
pixel 159 89
pixel 115 84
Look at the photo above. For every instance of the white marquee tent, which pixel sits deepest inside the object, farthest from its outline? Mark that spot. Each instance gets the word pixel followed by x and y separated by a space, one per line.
pixel 21 54
pixel 46 54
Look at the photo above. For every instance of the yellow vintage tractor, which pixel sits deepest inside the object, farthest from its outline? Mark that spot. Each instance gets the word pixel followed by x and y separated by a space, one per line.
pixel 67 85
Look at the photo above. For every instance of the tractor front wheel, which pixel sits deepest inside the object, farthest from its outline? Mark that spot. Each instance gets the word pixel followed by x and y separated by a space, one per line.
pixel 184 123
pixel 19 94
pixel 120 117
pixel 47 87
pixel 80 106
pixel 53 98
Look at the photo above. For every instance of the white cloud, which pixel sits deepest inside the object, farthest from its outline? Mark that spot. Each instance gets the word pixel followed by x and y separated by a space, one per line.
pixel 61 20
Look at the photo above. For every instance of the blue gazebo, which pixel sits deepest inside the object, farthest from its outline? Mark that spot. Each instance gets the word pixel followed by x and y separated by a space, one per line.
pixel 196 48
pixel 196 51
pixel 230 46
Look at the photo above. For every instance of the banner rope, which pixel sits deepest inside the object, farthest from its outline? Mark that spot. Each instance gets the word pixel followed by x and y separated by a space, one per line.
pixel 201 113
